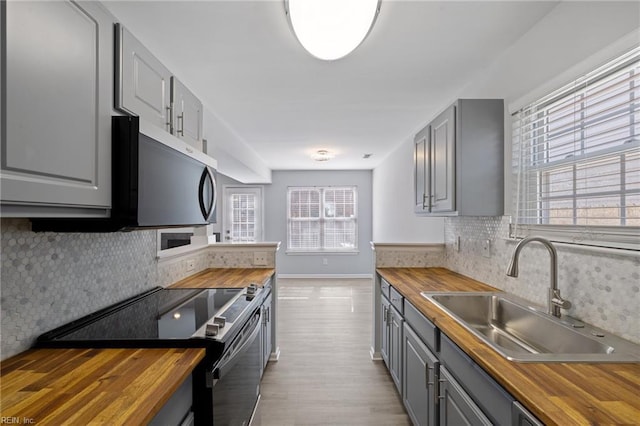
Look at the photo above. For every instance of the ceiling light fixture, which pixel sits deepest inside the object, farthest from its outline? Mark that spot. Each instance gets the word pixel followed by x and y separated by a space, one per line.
pixel 322 155
pixel 331 29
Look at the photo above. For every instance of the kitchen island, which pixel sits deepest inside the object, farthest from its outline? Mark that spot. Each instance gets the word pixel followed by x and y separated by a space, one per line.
pixel 556 393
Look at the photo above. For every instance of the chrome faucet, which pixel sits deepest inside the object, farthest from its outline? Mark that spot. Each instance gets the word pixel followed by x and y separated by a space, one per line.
pixel 554 300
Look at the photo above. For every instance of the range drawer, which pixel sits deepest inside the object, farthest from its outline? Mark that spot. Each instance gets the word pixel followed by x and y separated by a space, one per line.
pixel 422 326
pixel 397 300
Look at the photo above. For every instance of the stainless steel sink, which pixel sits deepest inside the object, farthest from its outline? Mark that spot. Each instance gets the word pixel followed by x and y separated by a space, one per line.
pixel 524 333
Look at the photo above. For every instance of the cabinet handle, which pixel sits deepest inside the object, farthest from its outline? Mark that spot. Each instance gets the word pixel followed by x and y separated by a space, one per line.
pixel 169 122
pixel 385 314
pixel 424 201
pixel 180 130
pixel 427 375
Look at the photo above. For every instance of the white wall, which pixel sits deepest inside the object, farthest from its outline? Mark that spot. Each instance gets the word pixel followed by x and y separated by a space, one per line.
pixel 276 223
pixel 394 220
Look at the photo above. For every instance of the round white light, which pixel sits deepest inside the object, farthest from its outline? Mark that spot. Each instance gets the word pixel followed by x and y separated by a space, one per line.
pixel 331 29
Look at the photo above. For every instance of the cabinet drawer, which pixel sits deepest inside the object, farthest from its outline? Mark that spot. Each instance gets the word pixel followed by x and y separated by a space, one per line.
pixel 489 395
pixel 421 325
pixel 384 288
pixel 397 300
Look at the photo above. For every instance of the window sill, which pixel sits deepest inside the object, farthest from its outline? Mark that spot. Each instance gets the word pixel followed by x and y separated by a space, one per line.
pixel 322 252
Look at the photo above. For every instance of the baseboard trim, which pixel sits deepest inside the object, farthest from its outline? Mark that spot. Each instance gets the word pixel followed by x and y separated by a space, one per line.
pixel 325 276
pixel 375 356
pixel 275 355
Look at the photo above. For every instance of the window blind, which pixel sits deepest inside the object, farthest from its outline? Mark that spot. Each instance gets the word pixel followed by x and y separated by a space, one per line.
pixel 322 219
pixel 576 159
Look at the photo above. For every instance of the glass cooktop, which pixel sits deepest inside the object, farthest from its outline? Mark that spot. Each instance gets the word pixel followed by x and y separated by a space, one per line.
pixel 164 314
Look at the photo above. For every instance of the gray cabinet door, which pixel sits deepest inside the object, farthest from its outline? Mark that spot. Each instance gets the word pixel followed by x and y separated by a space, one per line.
pixel 420 368
pixel 456 407
pixel 421 171
pixel 266 331
pixel 143 83
pixel 385 314
pixel 56 135
pixel 187 114
pixel 395 347
pixel 443 161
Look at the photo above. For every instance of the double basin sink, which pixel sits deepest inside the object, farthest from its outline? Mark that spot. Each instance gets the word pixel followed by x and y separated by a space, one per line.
pixel 524 333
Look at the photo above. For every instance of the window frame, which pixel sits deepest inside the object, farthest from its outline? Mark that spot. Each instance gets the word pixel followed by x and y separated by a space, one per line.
pixel 531 191
pixel 322 220
pixel 258 192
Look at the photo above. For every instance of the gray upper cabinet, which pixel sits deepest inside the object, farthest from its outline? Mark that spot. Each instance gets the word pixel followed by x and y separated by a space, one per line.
pixel 421 170
pixel 187 114
pixel 57 107
pixel 442 184
pixel 461 171
pixel 143 84
pixel 146 88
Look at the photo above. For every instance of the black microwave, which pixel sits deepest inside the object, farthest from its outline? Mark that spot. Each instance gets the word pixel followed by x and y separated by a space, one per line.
pixel 157 182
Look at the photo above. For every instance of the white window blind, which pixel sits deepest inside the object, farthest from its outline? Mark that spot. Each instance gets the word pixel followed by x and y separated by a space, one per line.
pixel 322 219
pixel 576 159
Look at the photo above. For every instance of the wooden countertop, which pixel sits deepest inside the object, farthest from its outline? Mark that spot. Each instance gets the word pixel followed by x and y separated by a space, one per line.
pixel 226 278
pixel 557 393
pixel 92 386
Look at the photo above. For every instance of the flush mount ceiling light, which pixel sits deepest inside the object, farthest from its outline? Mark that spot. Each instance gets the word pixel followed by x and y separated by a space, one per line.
pixel 331 29
pixel 322 155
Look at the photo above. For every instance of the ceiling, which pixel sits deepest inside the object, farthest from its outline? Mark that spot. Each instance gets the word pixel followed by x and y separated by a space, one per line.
pixel 242 60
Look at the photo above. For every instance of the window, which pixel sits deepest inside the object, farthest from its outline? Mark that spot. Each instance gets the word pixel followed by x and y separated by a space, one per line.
pixel 322 219
pixel 577 159
pixel 243 214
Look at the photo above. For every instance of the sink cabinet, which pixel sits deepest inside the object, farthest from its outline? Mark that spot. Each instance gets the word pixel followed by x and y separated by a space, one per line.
pixel 57 107
pixel 420 379
pixel 456 406
pixel 458 161
pixel 438 382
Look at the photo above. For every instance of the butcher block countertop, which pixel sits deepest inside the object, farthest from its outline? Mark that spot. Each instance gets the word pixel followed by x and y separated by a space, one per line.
pixel 92 386
pixel 557 393
pixel 226 278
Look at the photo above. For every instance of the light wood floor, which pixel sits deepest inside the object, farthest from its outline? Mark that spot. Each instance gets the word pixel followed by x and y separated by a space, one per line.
pixel 325 375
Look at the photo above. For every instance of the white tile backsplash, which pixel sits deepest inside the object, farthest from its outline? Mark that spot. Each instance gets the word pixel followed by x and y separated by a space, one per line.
pixel 49 279
pixel 603 287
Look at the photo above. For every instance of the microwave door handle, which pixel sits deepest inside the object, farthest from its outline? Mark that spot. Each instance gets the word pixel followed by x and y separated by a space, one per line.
pixel 206 209
pixel 214 190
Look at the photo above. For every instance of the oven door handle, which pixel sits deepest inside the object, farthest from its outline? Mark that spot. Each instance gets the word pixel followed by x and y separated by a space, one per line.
pixel 221 370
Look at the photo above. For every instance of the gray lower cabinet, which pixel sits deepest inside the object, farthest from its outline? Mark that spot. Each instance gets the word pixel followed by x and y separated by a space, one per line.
pixel 143 84
pixel 385 315
pixel 396 322
pixel 456 406
pixel 267 306
pixel 420 375
pixel 187 114
pixel 438 382
pixel 57 107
